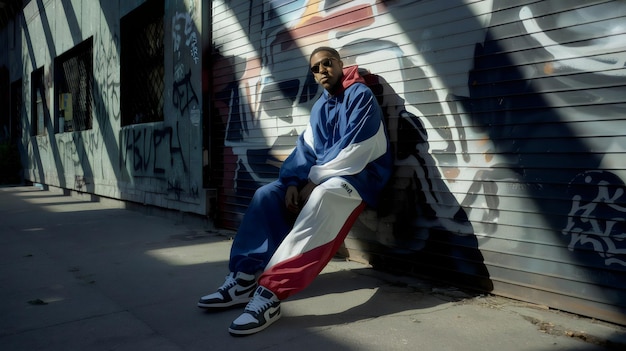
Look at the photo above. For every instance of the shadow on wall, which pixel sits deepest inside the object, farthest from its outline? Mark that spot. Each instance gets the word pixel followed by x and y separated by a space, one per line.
pixel 541 121
pixel 419 228
pixel 553 129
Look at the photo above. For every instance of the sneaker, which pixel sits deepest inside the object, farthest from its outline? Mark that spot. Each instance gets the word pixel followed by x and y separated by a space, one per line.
pixel 260 313
pixel 236 290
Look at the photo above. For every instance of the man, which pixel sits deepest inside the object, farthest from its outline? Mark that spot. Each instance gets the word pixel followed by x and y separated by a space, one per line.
pixel 296 224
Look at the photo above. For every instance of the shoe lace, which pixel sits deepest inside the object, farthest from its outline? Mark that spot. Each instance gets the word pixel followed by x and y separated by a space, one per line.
pixel 258 304
pixel 228 283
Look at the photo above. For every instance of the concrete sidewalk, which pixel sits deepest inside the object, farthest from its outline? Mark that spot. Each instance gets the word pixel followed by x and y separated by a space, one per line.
pixel 83 275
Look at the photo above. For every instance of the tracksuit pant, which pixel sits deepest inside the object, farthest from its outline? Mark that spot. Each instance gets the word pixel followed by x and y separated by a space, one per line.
pixel 291 250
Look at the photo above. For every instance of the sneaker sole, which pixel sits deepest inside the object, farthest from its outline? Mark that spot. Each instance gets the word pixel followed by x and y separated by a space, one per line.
pixel 222 305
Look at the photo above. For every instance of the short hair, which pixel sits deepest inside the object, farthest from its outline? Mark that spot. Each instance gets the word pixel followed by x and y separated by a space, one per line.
pixel 334 53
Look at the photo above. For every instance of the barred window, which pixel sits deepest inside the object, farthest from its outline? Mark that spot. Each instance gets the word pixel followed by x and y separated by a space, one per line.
pixel 38 103
pixel 73 86
pixel 142 69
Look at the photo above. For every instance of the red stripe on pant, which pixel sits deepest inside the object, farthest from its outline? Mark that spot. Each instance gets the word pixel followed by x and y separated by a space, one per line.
pixel 294 274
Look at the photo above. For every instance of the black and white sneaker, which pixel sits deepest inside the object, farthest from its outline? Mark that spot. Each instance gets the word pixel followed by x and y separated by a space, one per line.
pixel 236 290
pixel 260 313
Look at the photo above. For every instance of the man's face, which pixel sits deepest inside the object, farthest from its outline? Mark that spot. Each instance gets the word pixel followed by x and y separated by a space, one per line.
pixel 327 70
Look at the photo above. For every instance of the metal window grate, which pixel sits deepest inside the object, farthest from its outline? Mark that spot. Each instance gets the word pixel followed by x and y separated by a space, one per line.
pixel 142 67
pixel 38 112
pixel 74 85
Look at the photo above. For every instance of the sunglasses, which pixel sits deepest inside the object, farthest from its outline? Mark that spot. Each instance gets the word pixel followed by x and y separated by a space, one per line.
pixel 325 62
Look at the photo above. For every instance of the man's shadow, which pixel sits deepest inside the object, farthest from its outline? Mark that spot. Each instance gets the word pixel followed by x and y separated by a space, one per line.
pixel 431 234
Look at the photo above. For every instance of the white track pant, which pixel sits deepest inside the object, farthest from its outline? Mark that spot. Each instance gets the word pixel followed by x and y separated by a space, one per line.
pixel 315 237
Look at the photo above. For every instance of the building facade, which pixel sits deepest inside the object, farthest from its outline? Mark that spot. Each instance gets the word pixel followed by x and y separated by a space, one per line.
pixel 507 119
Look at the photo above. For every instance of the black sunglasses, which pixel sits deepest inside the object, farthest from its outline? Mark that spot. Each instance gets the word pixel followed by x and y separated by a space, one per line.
pixel 328 62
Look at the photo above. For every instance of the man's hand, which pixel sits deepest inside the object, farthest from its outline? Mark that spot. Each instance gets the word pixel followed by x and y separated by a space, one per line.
pixel 306 191
pixel 295 200
pixel 291 199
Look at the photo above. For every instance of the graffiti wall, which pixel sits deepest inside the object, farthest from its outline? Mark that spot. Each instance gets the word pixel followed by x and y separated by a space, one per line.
pixel 157 163
pixel 507 121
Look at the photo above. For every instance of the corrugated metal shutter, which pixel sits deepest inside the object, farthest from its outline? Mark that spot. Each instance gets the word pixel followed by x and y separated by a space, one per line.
pixel 548 86
pixel 507 119
pixel 263 93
